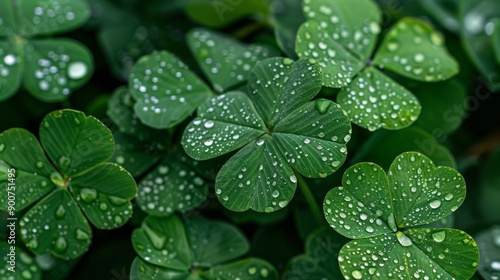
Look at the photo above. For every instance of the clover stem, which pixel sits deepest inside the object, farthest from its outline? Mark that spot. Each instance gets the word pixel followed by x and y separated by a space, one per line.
pixel 318 216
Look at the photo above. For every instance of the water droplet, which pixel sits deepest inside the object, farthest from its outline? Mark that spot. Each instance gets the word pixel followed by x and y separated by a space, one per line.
pixel 9 59
pixel 391 221
pixel 264 272
pixel 208 142
pixel 495 265
pixel 118 201
pixel 448 197
pixel 163 170
pixel 118 220
pixel 283 203
pixel 356 274
pixel 374 27
pixel 60 245
pixel 404 240
pixel 209 124
pixel 2 147
pixel 88 195
pixel 322 105
pixel 293 178
pixel 260 142
pixel 60 212
pixel 372 270
pixel 435 204
pixel 158 240
pixel 39 164
pixel 120 159
pixel 252 270
pixel 26 274
pixel 76 121
pixel 77 70
pixel 103 206
pixel 275 194
pixel 57 179
pixel 33 243
pixel 64 162
pixel 439 236
pixel 392 46
pixel 269 209
pixel 288 61
pixel 81 235
pixel 419 57
pixel 369 229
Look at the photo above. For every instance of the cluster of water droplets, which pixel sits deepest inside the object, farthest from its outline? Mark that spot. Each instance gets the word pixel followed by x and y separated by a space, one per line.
pixel 373 100
pixel 8 61
pixel 225 61
pixel 49 16
pixel 396 51
pixel 25 264
pixel 425 191
pixel 171 187
pixel 54 71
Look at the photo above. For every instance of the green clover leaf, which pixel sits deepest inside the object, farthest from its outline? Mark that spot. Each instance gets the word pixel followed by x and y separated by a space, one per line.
pixel 75 182
pixel 166 90
pixel 195 249
pixel 380 212
pixel 50 69
pixel 279 130
pixel 342 36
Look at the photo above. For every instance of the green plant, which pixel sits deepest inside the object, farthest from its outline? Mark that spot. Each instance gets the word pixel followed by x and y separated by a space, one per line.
pixel 220 110
pixel 50 69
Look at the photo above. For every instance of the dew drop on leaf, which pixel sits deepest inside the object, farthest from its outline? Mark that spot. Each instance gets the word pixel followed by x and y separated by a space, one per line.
pixel 356 274
pixel 2 147
pixel 115 200
pixel 322 105
pixel 293 179
pixel 77 70
pixel 435 204
pixel 404 240
pixel 60 212
pixel 64 162
pixel 9 59
pixel 158 240
pixel 252 270
pixel 88 195
pixel 60 245
pixel 439 236
pixel 81 235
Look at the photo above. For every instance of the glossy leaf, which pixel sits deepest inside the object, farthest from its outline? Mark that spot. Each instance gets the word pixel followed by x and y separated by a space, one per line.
pixel 427 253
pixel 51 16
pixel 54 68
pixel 278 86
pixel 56 225
pixel 24 265
pixel 218 14
pixel 415 173
pixel 225 61
pixel 10 69
pixel 375 101
pixel 171 186
pixel 224 124
pixel 20 150
pixel 75 142
pixel 248 269
pixel 214 242
pixel 166 91
pixel 151 242
pixel 338 65
pixel 104 194
pixel 413 49
pixel 353 25
pixel 247 180
pixel 7 21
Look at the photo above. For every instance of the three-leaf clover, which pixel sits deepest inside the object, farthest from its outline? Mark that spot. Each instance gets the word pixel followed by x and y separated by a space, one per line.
pixel 381 212
pixel 279 130
pixel 342 35
pixel 166 90
pixel 196 249
pixel 50 69
pixel 73 181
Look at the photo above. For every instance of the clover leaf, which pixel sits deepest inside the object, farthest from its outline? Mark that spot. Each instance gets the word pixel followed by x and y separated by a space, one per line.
pixel 279 130
pixel 342 36
pixel 50 69
pixel 380 212
pixel 75 182
pixel 166 90
pixel 195 249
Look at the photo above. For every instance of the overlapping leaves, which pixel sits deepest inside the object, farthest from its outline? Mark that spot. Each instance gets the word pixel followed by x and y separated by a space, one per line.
pixel 279 130
pixel 167 92
pixel 381 212
pixel 72 182
pixel 50 69
pixel 342 35
pixel 196 249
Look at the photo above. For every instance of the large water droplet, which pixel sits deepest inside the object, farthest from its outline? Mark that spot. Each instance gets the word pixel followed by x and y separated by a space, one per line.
pixel 322 105
pixel 60 212
pixel 208 142
pixel 439 236
pixel 118 201
pixel 88 195
pixel 57 179
pixel 404 240
pixel 287 61
pixel 9 59
pixel 158 240
pixel 275 194
pixel 495 265
pixel 435 204
pixel 252 270
pixel 209 124
pixel 26 274
pixel 356 274
pixel 81 235
pixel 60 245
pixel 2 147
pixel 77 70
pixel 293 179
pixel 33 243
pixel 64 162
pixel 391 221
